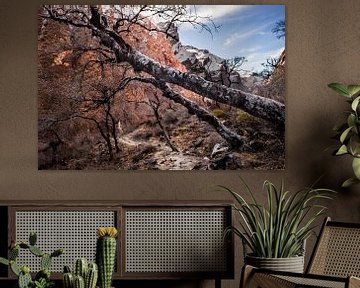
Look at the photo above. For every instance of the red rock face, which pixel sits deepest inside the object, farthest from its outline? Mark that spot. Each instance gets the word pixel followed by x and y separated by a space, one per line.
pixel 68 75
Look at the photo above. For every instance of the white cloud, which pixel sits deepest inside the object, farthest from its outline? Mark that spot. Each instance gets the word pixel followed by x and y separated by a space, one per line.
pixel 235 37
pixel 255 59
pixel 217 11
pixel 250 49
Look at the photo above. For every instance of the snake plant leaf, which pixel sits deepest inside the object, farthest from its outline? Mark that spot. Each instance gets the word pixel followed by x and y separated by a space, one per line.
pixel 349 182
pixel 356 167
pixel 354 90
pixel 355 103
pixel 278 228
pixel 342 150
pixel 340 88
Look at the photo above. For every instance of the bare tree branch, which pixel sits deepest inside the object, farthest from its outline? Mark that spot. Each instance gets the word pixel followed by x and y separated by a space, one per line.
pixel 255 105
pixel 231 137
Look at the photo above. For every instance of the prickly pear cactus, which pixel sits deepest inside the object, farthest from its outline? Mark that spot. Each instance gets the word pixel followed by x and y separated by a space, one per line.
pixel 14 268
pixel 36 251
pixel 32 238
pixel 106 254
pixel 13 253
pixel 42 278
pixel 24 280
pixel 45 261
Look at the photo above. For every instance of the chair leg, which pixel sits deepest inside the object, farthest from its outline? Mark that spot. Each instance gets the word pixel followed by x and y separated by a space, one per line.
pixel 251 279
pixel 217 282
pixel 246 273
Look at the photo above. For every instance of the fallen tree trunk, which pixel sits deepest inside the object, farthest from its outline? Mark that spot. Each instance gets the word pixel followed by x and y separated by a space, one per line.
pixel 255 105
pixel 231 137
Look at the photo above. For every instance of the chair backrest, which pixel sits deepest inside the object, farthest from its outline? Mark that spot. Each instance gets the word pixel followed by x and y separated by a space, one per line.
pixel 337 251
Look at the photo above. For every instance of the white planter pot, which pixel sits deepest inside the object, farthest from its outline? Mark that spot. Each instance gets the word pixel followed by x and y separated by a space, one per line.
pixel 291 264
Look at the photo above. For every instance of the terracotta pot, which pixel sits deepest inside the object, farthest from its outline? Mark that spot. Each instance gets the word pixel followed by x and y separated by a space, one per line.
pixel 291 264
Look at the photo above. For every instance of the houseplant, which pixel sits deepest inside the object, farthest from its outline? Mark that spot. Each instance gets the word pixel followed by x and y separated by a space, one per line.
pixel 348 132
pixel 84 274
pixel 276 233
pixel 42 278
pixel 106 254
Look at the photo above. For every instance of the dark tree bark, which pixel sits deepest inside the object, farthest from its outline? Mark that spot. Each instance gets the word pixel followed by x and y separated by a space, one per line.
pixel 231 137
pixel 155 106
pixel 255 105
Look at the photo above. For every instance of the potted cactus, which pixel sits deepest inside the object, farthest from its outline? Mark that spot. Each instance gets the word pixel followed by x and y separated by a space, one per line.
pixel 84 275
pixel 106 254
pixel 42 278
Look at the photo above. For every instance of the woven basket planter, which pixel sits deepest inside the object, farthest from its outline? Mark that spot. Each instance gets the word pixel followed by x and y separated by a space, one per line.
pixel 291 264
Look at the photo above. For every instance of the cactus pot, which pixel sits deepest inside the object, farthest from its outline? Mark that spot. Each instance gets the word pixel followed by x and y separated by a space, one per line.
pixel 291 264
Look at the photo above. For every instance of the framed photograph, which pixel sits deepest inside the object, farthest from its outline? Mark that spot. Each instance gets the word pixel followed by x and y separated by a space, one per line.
pixel 161 87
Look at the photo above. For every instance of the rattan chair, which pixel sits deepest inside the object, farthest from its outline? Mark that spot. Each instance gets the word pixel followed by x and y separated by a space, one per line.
pixel 334 263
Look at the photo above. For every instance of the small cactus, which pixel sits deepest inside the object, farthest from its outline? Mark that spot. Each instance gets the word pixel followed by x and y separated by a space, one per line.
pixel 84 274
pixel 80 268
pixel 91 276
pixel 68 280
pixel 106 254
pixel 79 282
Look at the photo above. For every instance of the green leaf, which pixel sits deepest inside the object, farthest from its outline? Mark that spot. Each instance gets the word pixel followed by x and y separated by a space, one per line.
pixel 355 103
pixel 4 261
pixel 349 182
pixel 340 88
pixel 351 120
pixel 354 145
pixel 345 134
pixel 342 150
pixel 356 167
pixel 353 89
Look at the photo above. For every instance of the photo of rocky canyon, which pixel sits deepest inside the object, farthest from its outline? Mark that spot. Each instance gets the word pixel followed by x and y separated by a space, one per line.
pixel 161 87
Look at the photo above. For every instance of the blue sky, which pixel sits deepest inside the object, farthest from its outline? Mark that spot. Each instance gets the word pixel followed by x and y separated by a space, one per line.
pixel 245 31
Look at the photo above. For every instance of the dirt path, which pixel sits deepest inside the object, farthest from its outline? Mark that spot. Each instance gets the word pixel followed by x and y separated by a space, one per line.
pixel 163 158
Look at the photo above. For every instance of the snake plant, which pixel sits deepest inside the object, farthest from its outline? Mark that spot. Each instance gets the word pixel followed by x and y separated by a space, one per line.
pixel 279 228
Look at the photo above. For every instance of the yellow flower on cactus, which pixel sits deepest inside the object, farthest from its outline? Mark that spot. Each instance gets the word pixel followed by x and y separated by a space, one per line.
pixel 106 231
